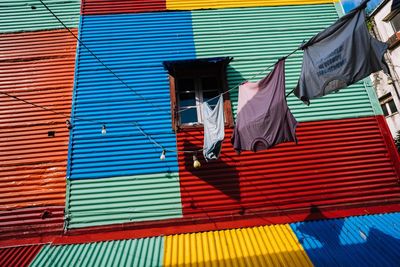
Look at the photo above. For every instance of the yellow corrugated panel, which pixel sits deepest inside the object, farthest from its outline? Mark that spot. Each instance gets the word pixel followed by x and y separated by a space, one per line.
pixel 204 4
pixel 274 245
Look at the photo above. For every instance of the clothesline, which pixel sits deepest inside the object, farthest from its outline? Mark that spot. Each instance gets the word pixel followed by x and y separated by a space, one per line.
pixel 134 91
pixel 237 86
pixel 151 139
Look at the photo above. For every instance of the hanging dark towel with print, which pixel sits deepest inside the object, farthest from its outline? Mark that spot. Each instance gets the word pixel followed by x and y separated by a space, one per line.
pixel 339 56
pixel 264 119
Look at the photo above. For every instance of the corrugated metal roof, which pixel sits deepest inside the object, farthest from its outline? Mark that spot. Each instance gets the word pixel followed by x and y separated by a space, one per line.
pixel 205 4
pixel 18 256
pixel 99 7
pixel 124 199
pixel 257 37
pixel 31 15
pixel 354 241
pixel 37 67
pixel 260 246
pixel 336 164
pixel 134 47
pixel 136 252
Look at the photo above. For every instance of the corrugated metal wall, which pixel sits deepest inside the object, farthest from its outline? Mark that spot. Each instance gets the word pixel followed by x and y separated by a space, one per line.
pixel 136 252
pixel 124 199
pixel 18 256
pixel 37 67
pixel 30 222
pixel 134 47
pixel 353 241
pixel 257 37
pixel 336 164
pixel 206 4
pixel 259 246
pixel 31 15
pixel 371 240
pixel 99 7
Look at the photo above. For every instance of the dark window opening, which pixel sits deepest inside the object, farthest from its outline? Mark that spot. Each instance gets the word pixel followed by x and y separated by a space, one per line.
pixel 395 21
pixel 392 106
pixel 385 111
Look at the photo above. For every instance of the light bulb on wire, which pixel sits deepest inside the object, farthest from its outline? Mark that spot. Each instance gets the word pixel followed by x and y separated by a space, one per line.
pixel 162 157
pixel 196 162
pixel 103 129
pixel 69 125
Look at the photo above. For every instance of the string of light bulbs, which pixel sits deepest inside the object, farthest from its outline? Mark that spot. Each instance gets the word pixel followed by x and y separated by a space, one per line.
pixel 69 125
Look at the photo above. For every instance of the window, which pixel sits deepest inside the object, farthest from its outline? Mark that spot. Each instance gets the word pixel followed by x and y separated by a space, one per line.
pixel 392 106
pixel 193 82
pixel 385 111
pixel 388 105
pixel 395 22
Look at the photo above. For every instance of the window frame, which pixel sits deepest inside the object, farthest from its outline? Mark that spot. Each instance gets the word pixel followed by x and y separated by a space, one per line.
pixel 385 101
pixel 194 72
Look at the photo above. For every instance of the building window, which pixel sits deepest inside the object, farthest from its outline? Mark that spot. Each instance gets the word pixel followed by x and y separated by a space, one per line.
pixel 385 111
pixel 395 22
pixel 388 105
pixel 193 82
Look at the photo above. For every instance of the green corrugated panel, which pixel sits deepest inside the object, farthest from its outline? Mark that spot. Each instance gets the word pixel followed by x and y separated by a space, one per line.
pixel 257 37
pixel 134 252
pixel 31 15
pixel 124 199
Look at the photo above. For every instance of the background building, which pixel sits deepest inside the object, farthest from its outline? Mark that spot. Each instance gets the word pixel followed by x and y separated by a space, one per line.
pixel 386 25
pixel 99 193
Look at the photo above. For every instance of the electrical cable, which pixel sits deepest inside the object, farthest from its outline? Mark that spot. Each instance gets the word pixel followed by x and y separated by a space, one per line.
pixel 97 58
pixel 125 84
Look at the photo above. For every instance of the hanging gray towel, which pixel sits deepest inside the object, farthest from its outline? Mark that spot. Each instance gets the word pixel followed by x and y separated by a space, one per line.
pixel 214 129
pixel 339 56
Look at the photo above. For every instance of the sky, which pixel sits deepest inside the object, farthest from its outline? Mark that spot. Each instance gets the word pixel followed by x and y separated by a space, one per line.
pixel 350 4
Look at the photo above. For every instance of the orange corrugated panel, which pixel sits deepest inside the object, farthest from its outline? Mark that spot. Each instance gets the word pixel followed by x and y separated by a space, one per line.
pixel 337 164
pixel 37 67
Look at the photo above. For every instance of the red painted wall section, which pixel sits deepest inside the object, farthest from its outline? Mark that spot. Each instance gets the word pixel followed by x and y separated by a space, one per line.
pixel 337 164
pixel 103 7
pixel 37 67
pixel 30 222
pixel 18 256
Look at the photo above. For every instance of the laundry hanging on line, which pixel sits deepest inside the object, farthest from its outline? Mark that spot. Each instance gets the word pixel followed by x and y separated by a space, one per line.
pixel 263 116
pixel 214 129
pixel 339 56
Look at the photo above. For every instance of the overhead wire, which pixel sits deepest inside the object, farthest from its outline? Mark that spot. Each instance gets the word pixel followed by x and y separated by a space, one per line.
pixel 136 124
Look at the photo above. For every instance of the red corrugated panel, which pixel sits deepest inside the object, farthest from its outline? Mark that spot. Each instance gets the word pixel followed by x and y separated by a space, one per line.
pixel 37 67
pixel 31 222
pixel 336 164
pixel 102 7
pixel 18 256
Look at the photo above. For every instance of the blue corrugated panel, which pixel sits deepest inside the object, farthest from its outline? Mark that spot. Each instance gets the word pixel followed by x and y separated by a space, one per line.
pixel 372 240
pixel 134 47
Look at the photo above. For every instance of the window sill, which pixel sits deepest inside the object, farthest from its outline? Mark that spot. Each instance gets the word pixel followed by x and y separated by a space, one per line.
pixel 188 128
pixel 392 115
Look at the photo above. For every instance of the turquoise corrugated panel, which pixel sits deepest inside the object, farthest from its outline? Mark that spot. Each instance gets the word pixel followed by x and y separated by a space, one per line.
pixel 31 15
pixel 258 37
pixel 123 199
pixel 372 240
pixel 134 47
pixel 135 252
